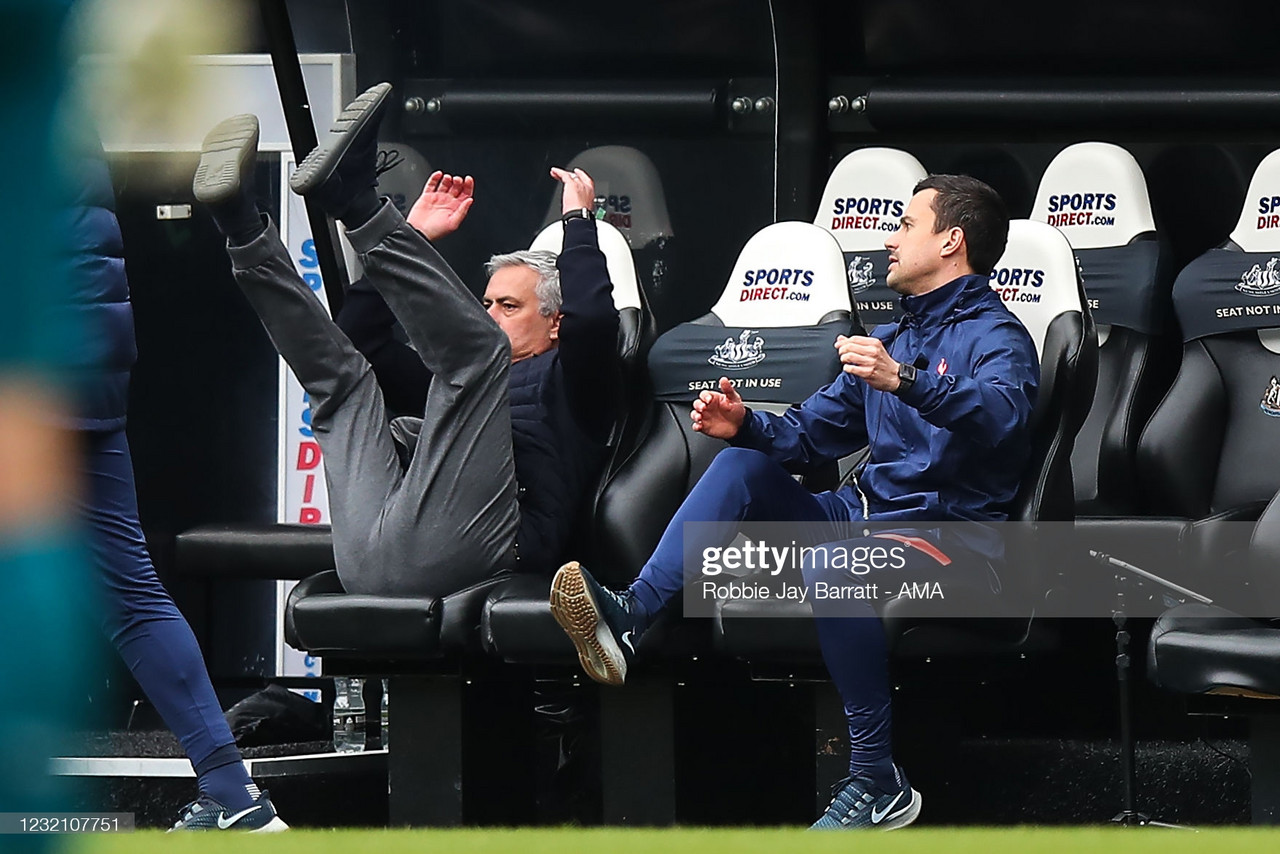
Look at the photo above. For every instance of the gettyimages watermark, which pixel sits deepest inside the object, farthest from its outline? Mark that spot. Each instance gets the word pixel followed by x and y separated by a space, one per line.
pixel 972 570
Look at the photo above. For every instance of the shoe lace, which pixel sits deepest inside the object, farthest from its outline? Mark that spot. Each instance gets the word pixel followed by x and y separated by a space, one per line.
pixel 188 811
pixel 841 806
pixel 388 159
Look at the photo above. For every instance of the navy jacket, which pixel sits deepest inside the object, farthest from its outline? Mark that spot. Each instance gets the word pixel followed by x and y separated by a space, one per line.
pixel 104 352
pixel 561 410
pixel 954 445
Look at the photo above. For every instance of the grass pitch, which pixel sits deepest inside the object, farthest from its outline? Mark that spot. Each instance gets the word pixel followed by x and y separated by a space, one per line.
pixel 1022 840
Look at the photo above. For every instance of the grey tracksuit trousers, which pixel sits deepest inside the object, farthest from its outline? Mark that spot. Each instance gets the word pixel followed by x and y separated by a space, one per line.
pixel 449 518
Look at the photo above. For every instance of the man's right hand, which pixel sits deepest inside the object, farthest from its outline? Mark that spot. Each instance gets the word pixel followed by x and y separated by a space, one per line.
pixel 719 414
pixel 443 205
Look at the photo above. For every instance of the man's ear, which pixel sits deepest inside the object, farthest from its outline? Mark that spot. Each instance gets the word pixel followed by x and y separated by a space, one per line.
pixel 554 332
pixel 954 243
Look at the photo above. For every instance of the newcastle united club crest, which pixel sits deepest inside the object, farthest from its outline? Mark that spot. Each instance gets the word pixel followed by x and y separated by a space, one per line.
pixel 1260 281
pixel 861 276
pixel 739 355
pixel 1271 400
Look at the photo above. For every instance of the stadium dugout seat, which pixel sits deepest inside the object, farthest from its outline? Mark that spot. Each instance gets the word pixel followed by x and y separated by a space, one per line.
pixel 630 188
pixel 1096 195
pixel 426 644
pixel 636 334
pixel 861 205
pixel 1207 456
pixel 772 331
pixel 1038 280
pixel 1206 650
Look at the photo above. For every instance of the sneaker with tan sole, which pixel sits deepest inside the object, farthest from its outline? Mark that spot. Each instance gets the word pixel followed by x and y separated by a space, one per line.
pixel 603 625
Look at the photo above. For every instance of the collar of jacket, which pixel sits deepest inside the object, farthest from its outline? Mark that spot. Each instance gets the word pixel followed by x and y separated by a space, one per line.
pixel 937 305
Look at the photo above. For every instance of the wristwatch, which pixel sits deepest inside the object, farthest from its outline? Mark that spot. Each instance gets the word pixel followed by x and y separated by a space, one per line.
pixel 906 377
pixel 578 213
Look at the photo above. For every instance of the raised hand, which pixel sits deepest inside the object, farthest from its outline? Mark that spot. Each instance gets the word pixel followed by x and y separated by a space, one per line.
pixel 443 204
pixel 579 189
pixel 719 414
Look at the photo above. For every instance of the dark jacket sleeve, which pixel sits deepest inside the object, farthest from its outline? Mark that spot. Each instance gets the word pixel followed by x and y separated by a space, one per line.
pixel 367 320
pixel 829 425
pixel 992 404
pixel 588 331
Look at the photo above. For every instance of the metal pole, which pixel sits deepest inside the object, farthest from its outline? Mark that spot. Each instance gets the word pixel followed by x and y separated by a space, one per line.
pixel 302 135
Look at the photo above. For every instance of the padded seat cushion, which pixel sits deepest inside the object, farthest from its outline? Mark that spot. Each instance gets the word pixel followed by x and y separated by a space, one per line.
pixel 1196 648
pixel 517 626
pixel 774 632
pixel 254 551
pixel 322 619
pixel 516 623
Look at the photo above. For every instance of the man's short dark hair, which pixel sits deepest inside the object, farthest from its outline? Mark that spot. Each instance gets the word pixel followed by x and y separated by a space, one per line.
pixel 973 206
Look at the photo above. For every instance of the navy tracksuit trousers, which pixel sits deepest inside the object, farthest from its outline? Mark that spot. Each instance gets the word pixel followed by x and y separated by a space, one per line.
pixel 139 615
pixel 745 485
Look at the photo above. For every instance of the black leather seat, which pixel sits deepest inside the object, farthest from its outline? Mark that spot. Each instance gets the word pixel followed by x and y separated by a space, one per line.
pixel 1205 456
pixel 1096 195
pixel 1201 649
pixel 1056 314
pixel 253 551
pixel 865 197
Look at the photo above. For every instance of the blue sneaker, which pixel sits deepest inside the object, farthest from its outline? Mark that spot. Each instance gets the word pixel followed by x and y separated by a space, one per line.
pixel 602 624
pixel 860 804
pixel 205 813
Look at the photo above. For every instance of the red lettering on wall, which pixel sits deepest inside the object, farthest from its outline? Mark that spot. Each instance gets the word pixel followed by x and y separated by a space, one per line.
pixel 310 516
pixel 308 489
pixel 308 455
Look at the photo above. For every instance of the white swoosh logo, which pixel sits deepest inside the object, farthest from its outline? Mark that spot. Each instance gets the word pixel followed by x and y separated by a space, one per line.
pixel 224 822
pixel 626 638
pixel 878 816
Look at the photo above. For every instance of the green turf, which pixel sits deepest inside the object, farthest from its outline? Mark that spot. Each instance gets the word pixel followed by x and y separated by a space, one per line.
pixel 695 841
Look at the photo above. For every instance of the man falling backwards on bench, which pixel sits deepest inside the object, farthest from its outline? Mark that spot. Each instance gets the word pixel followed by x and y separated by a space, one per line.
pixel 512 432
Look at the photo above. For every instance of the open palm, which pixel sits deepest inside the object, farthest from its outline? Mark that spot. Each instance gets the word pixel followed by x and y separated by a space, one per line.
pixel 443 204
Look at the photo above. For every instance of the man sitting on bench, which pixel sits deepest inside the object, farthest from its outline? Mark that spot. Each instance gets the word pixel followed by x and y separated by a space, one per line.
pixel 943 398
pixel 512 432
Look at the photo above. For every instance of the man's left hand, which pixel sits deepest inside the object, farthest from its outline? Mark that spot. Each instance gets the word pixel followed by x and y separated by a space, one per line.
pixel 865 357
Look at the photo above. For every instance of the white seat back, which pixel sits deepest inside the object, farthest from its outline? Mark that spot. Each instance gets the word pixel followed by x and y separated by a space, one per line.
pixel 617 257
pixel 632 189
pixel 1036 277
pixel 788 274
pixel 1096 195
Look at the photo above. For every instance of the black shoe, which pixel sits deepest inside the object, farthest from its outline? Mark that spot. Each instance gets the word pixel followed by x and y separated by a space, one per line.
pixel 602 624
pixel 341 172
pixel 205 813
pixel 224 178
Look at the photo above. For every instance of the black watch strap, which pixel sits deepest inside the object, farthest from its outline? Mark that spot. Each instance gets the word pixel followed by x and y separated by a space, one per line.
pixel 578 213
pixel 906 377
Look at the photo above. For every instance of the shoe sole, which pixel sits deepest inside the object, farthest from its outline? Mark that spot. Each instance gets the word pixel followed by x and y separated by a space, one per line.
pixel 904 816
pixel 317 166
pixel 576 611
pixel 227 153
pixel 276 825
